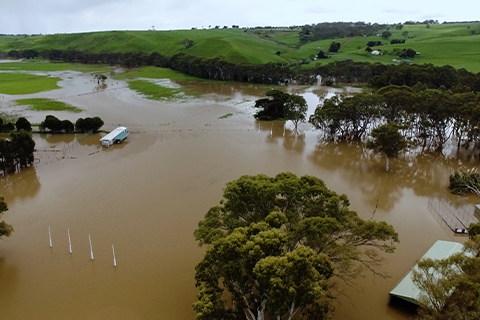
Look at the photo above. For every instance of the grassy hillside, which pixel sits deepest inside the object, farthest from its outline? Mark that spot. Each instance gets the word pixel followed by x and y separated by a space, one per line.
pixel 454 44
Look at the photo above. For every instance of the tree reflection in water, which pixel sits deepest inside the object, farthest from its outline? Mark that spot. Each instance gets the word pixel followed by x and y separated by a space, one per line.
pixel 425 174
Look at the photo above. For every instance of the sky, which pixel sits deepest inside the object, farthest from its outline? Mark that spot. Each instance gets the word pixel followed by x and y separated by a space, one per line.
pixel 72 16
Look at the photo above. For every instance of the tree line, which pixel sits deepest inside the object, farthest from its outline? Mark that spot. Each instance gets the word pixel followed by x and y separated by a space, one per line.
pixel 426 117
pixel 341 72
pixel 55 125
pixel 329 30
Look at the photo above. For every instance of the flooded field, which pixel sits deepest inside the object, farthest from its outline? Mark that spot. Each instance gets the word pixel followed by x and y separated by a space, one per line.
pixel 146 196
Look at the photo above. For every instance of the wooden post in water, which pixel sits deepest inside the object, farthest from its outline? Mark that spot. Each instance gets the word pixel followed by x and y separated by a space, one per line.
pixel 69 242
pixel 114 260
pixel 50 237
pixel 91 249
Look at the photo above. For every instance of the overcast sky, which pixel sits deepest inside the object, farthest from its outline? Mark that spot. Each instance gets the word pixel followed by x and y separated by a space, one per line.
pixel 60 16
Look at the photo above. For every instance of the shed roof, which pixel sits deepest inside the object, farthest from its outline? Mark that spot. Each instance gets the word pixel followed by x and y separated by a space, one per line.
pixel 406 289
pixel 115 132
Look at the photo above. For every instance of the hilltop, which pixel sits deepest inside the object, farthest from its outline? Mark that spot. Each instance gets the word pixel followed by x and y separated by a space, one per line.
pixel 456 44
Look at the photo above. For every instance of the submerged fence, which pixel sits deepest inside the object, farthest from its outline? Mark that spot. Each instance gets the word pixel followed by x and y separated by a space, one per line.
pixel 450 216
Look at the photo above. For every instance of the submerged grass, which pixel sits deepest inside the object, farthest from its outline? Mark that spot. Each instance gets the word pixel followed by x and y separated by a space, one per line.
pixel 22 83
pixel 41 104
pixel 154 91
pixel 226 116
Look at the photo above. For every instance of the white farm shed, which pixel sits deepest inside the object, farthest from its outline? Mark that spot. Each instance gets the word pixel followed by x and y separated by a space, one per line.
pixel 406 289
pixel 117 135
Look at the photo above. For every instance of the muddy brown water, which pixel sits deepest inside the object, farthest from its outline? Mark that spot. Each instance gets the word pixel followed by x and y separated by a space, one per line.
pixel 146 196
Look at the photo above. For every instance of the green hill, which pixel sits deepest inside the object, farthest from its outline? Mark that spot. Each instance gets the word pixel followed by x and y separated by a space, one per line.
pixel 454 44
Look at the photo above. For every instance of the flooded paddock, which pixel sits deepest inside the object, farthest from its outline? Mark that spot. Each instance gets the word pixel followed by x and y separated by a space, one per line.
pixel 146 196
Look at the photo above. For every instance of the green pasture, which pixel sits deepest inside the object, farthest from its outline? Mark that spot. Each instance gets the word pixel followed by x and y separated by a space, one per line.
pixel 41 104
pixel 154 73
pixel 43 65
pixel 22 83
pixel 453 44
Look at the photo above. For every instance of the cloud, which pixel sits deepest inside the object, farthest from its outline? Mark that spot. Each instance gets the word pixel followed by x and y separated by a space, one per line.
pixel 56 16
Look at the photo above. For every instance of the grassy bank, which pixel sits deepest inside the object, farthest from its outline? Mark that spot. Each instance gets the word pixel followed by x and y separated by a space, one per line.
pixel 22 83
pixel 43 65
pixel 40 104
pixel 155 73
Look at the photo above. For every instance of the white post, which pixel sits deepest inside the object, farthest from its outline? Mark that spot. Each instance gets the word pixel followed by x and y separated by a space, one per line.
pixel 91 249
pixel 50 236
pixel 271 131
pixel 114 260
pixel 69 242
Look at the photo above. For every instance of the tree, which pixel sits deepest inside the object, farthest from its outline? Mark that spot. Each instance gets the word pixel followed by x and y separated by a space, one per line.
pixel 322 55
pixel 386 34
pixel 274 242
pixel 8 127
pixel 449 287
pixel 51 123
pixel 188 43
pixel 23 123
pixel 334 47
pixel 88 125
pixel 263 276
pixel 462 183
pixel 5 229
pixel 387 140
pixel 7 161
pixel 66 126
pixel 23 147
pixel 273 107
pixel 295 109
pixel 100 77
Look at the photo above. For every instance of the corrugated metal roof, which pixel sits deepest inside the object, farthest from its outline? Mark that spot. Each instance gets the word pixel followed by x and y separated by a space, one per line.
pixel 406 289
pixel 122 135
pixel 115 132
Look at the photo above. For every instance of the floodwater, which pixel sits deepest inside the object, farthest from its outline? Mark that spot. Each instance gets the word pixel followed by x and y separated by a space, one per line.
pixel 146 196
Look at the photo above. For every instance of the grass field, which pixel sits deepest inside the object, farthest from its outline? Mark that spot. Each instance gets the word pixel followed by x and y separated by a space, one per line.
pixel 22 83
pixel 43 65
pixel 154 73
pixel 40 104
pixel 453 44
pixel 154 91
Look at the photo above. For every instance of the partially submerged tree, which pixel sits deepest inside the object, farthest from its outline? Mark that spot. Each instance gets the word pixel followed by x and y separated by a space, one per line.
pixel 88 125
pixel 387 140
pixel 100 78
pixel 23 123
pixel 273 243
pixel 295 109
pixel 462 183
pixel 273 106
pixel 22 147
pixel 5 228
